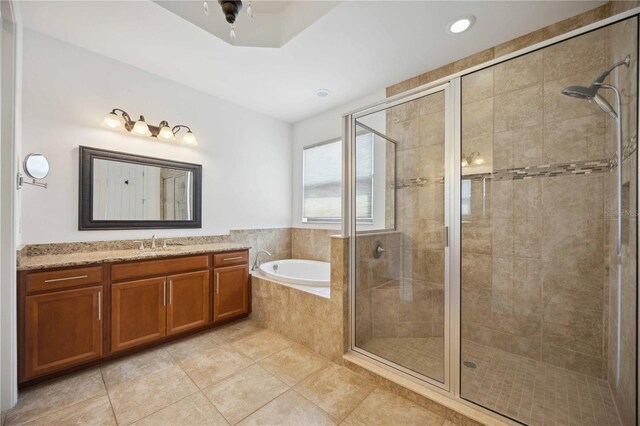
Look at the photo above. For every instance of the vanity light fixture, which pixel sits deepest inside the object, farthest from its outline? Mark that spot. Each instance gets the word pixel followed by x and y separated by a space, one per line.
pixel 473 159
pixel 140 127
pixel 162 131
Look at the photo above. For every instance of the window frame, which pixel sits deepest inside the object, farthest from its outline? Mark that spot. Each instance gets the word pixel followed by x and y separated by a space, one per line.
pixel 335 220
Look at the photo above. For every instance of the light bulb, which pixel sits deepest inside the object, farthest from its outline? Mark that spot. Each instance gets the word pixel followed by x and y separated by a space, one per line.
pixel 478 161
pixel 463 23
pixel 112 120
pixel 232 34
pixel 250 10
pixel 189 138
pixel 166 134
pixel 460 26
pixel 464 162
pixel 141 128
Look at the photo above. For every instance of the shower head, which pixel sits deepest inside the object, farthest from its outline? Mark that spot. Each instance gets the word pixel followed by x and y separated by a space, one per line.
pixel 580 92
pixel 605 106
pixel 591 93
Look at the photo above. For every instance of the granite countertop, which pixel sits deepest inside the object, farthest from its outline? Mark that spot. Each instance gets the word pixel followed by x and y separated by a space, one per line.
pixel 28 263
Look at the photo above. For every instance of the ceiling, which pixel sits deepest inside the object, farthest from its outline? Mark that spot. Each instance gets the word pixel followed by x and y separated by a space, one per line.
pixel 274 23
pixel 354 49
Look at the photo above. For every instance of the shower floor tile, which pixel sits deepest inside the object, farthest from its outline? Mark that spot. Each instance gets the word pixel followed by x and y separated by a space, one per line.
pixel 532 392
pixel 422 355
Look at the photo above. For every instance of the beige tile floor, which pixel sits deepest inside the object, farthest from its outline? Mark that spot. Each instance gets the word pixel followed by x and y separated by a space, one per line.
pixel 529 391
pixel 237 374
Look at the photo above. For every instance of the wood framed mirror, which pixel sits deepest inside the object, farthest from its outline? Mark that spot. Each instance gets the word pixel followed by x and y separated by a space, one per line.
pixel 127 191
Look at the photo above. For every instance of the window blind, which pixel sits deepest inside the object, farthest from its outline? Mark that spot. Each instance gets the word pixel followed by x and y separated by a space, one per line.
pixel 322 181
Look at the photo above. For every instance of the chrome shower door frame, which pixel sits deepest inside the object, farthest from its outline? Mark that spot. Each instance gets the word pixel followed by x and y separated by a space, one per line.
pixel 449 90
pixel 453 141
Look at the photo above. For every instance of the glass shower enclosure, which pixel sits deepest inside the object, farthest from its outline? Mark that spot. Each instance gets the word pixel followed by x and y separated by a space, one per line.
pixel 494 253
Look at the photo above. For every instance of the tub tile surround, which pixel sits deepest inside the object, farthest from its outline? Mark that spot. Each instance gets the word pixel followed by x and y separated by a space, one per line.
pixel 292 385
pixel 311 243
pixel 317 322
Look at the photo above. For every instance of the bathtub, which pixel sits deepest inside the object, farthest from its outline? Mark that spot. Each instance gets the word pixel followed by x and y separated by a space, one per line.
pixel 311 276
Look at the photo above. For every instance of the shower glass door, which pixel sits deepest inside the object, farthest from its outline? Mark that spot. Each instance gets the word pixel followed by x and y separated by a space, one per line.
pixel 400 248
pixel 548 331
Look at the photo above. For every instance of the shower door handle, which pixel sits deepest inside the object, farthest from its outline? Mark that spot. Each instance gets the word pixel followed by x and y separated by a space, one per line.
pixel 446 236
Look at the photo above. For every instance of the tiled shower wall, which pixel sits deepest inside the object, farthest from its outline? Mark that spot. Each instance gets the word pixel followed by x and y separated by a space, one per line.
pixel 376 306
pixel 622 360
pixel 401 293
pixel 533 259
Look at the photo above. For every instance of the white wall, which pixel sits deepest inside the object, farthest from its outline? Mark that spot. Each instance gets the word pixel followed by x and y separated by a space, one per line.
pixel 319 128
pixel 246 156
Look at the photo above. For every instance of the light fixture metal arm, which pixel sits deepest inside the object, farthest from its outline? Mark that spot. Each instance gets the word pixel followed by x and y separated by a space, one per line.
pixel 177 128
pixel 124 114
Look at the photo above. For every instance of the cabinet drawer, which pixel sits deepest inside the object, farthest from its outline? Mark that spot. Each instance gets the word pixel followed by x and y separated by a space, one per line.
pixel 150 268
pixel 53 280
pixel 233 258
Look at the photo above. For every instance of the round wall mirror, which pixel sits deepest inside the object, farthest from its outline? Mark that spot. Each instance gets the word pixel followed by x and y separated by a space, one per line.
pixel 36 166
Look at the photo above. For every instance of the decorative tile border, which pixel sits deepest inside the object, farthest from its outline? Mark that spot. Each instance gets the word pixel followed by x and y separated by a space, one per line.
pixel 551 170
pixel 547 170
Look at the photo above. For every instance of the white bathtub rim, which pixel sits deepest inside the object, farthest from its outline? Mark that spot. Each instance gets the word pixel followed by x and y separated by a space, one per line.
pixel 281 278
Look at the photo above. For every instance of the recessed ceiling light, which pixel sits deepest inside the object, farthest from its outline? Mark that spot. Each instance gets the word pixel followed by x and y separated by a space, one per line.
pixel 205 6
pixel 322 93
pixel 461 24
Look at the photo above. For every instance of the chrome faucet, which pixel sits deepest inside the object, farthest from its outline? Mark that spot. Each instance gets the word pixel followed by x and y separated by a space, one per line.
pixel 256 264
pixel 154 238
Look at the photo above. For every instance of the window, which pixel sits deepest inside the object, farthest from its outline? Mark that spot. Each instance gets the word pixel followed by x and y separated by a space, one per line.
pixel 322 181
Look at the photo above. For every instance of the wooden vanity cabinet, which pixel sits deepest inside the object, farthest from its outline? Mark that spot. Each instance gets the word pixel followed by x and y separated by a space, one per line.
pixel 137 312
pixel 77 316
pixel 232 289
pixel 62 329
pixel 189 301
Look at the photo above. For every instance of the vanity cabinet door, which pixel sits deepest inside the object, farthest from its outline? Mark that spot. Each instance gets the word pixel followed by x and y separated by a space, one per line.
pixel 137 312
pixel 188 305
pixel 62 329
pixel 231 292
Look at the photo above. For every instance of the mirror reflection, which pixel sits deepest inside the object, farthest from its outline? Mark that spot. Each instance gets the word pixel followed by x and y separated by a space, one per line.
pixel 133 191
pixel 36 166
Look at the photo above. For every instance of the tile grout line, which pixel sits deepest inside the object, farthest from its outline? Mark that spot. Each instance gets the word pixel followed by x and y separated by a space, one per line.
pixel 253 363
pixel 289 387
pixel 113 411
pixel 167 406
